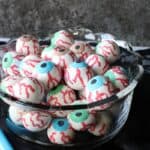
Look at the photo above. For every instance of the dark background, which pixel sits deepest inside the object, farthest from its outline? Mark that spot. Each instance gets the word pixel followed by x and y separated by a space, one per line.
pixel 127 19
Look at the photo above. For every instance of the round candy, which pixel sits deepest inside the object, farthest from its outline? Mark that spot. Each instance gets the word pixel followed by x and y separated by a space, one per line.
pixel 98 64
pixel 64 60
pixel 117 75
pixel 81 49
pixel 29 90
pixel 11 62
pixel 27 65
pixel 62 39
pixel 7 84
pixel 81 120
pixel 36 121
pixel 47 73
pixel 99 88
pixel 102 124
pixel 15 114
pixel 60 131
pixel 59 96
pixel 77 75
pixel 108 49
pixel 48 53
pixel 27 44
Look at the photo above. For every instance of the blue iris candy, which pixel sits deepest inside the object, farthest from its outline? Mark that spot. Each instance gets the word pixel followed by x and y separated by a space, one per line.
pixel 44 67
pixel 95 82
pixel 60 124
pixel 81 64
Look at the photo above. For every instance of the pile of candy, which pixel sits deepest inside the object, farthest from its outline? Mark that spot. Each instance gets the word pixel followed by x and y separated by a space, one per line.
pixel 66 72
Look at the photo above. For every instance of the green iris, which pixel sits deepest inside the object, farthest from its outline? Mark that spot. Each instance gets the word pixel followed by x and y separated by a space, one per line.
pixel 79 115
pixel 56 90
pixel 7 60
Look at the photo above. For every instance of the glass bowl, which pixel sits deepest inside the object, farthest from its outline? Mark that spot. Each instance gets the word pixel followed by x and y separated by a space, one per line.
pixel 119 110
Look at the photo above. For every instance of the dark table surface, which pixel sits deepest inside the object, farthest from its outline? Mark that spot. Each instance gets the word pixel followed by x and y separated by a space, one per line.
pixel 135 135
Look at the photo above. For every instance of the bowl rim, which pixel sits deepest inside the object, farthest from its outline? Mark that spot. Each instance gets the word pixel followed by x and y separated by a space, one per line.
pixel 10 100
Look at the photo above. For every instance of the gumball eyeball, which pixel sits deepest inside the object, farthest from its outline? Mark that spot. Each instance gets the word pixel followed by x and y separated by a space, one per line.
pixel 15 114
pixel 62 39
pixel 81 49
pixel 81 120
pixel 29 90
pixel 59 96
pixel 117 75
pixel 60 131
pixel 109 50
pixel 102 125
pixel 27 44
pixel 99 88
pixel 28 64
pixel 48 53
pixel 47 73
pixel 77 75
pixel 11 62
pixel 63 61
pixel 36 121
pixel 7 84
pixel 98 64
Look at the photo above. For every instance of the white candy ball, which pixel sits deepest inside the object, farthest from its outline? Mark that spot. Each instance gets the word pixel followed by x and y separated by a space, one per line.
pixel 109 50
pixel 36 121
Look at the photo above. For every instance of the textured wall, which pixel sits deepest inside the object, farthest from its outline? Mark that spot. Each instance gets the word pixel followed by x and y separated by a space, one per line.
pixel 127 19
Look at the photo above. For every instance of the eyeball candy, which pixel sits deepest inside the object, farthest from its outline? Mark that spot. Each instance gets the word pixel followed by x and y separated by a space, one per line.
pixel 109 50
pixel 59 96
pixel 117 75
pixel 64 60
pixel 81 120
pixel 98 64
pixel 27 65
pixel 81 49
pixel 11 62
pixel 29 90
pixel 48 53
pixel 60 131
pixel 62 39
pixel 99 88
pixel 15 114
pixel 77 75
pixel 7 84
pixel 36 121
pixel 27 44
pixel 102 124
pixel 47 73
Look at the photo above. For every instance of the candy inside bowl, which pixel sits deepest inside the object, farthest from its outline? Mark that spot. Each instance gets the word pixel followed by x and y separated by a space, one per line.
pixel 66 93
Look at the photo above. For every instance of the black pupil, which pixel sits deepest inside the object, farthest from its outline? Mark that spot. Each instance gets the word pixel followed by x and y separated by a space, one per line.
pixel 78 61
pixel 93 81
pixel 77 47
pixel 43 65
pixel 62 50
pixel 78 114
pixel 5 60
pixel 60 123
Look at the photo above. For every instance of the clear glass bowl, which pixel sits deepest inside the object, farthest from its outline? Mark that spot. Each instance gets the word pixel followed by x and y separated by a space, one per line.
pixel 119 110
